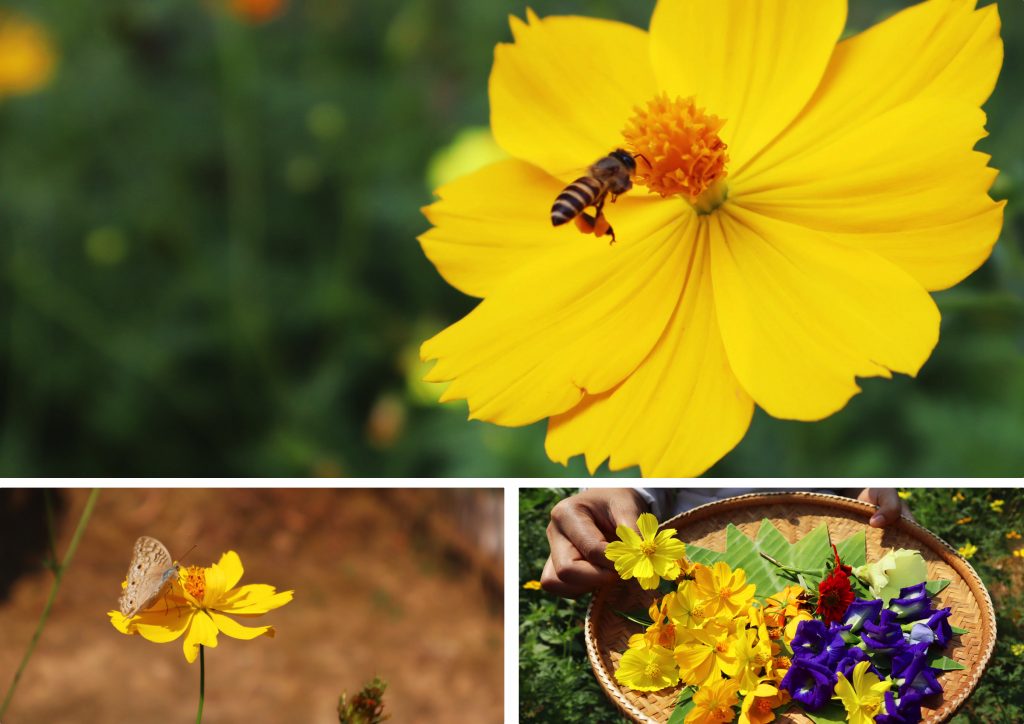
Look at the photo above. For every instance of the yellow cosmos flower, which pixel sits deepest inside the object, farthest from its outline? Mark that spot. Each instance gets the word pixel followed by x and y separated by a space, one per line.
pixel 687 608
pixel 199 605
pixel 703 654
pixel 663 630
pixel 997 505
pixel 27 56
pixel 796 200
pixel 713 703
pixel 1017 649
pixel 759 704
pixel 648 557
pixel 1013 535
pixel 532 585
pixel 751 653
pixel 957 497
pixel 787 601
pixel 724 588
pixel 650 668
pixel 864 697
pixel 904 494
pixel 968 549
pixel 1019 553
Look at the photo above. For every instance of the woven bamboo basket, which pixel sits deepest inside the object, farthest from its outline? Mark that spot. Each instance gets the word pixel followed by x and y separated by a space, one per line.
pixel 796 514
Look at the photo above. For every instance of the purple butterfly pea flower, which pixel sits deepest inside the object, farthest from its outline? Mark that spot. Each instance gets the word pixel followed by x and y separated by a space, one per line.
pixel 905 710
pixel 908 661
pixel 851 657
pixel 884 637
pixel 920 633
pixel 913 603
pixel 924 684
pixel 810 639
pixel 939 623
pixel 861 611
pixel 809 683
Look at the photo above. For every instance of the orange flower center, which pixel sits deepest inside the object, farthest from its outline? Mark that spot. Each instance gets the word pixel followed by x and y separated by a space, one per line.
pixel 721 647
pixel 725 593
pixel 195 582
pixel 652 670
pixel 678 151
pixel 763 705
pixel 648 548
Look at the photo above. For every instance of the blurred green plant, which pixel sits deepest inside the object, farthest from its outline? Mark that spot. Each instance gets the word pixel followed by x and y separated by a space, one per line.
pixel 210 266
pixel 366 707
pixel 556 683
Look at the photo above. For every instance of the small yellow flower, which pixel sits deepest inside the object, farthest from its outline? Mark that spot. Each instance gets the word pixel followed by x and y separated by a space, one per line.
pixel 957 497
pixel 750 655
pixel 704 654
pixel 759 704
pixel 27 56
pixel 1019 553
pixel 964 520
pixel 714 702
pixel 532 585
pixel 967 550
pixel 1017 649
pixel 724 588
pixel 1013 535
pixel 648 557
pixel 787 601
pixel 647 669
pixel 997 505
pixel 904 494
pixel 199 604
pixel 865 697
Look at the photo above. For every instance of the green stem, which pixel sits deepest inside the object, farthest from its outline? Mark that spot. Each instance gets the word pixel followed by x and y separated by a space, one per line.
pixel 202 683
pixel 83 521
pixel 788 568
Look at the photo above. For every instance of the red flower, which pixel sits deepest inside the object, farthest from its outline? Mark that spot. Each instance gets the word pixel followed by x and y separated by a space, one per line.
pixel 834 596
pixel 839 564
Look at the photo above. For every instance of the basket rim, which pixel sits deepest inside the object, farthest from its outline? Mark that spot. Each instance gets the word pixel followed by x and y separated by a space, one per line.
pixel 943 549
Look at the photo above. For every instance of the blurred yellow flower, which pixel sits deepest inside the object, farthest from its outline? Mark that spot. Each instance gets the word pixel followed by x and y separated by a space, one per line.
pixel 1013 535
pixel 257 11
pixel 532 585
pixel 647 669
pixel 27 55
pixel 648 557
pixel 714 702
pixel 997 505
pixel 199 604
pixel 786 201
pixel 957 497
pixel 904 494
pixel 967 550
pixel 964 520
pixel 864 697
pixel 1019 553
pixel 1017 649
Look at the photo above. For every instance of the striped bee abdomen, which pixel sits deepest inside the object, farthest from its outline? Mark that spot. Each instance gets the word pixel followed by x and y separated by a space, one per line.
pixel 575 197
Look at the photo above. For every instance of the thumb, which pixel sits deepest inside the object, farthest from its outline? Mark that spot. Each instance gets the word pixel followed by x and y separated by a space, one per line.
pixel 625 508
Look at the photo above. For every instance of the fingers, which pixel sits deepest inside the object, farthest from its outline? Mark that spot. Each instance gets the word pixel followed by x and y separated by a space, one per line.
pixel 890 507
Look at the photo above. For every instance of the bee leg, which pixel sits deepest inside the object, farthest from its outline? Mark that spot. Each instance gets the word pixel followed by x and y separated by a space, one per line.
pixel 601 225
pixel 586 223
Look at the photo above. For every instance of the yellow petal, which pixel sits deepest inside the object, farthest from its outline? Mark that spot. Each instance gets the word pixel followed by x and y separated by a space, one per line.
pixel 561 94
pixel 202 631
pixel 575 322
pixel 491 222
pixel 170 628
pixel 235 630
pixel 805 316
pixel 231 566
pixel 754 64
pixel 648 526
pixel 254 599
pixel 942 49
pixel 680 411
pixel 905 184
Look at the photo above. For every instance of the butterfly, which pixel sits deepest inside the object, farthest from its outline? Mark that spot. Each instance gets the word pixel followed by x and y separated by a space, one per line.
pixel 149 576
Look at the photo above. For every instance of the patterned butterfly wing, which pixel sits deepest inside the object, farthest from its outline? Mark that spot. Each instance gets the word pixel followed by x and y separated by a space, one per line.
pixel 146 579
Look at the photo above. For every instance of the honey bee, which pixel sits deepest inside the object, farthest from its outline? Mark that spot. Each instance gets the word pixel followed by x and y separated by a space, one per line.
pixel 612 174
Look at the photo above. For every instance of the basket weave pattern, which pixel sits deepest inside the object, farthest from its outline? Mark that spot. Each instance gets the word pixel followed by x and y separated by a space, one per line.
pixel 796 514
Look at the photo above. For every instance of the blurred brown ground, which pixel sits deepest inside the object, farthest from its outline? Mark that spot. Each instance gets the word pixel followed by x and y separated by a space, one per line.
pixel 404 584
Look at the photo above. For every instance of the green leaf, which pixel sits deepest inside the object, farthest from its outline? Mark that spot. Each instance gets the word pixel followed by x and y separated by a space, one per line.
pixel 706 556
pixel 944 663
pixel 813 551
pixel 853 550
pixel 744 553
pixel 832 713
pixel 772 542
pixel 935 587
pixel 685 694
pixel 958 630
pixel 680 712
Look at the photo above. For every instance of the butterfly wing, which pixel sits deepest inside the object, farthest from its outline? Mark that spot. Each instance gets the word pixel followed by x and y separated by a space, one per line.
pixel 145 579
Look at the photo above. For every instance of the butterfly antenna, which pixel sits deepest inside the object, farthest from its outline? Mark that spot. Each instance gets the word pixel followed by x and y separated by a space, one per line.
pixel 186 554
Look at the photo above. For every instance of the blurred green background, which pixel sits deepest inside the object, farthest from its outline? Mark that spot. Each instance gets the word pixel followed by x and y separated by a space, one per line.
pixel 210 266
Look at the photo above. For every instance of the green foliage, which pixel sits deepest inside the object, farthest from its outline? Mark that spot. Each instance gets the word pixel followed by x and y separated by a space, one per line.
pixel 366 707
pixel 555 679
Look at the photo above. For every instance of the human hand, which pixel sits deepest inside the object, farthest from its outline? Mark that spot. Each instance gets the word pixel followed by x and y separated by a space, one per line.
pixel 581 527
pixel 890 506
